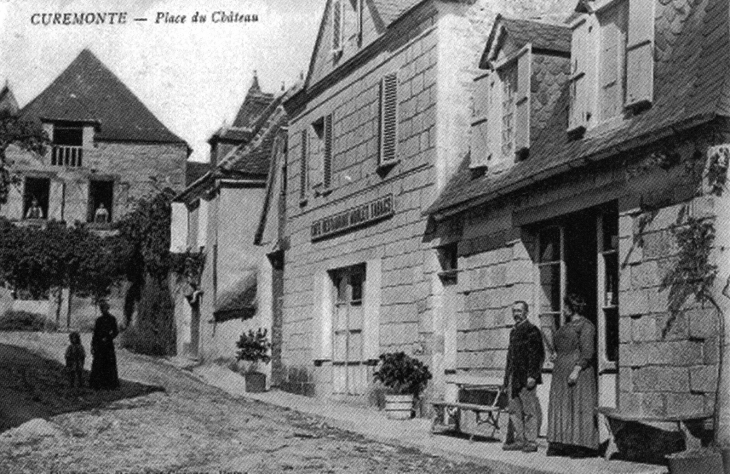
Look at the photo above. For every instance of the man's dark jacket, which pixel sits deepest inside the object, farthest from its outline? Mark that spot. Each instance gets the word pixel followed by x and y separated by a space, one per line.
pixel 525 356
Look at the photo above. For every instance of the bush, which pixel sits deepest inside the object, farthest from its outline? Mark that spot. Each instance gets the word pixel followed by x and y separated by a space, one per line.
pixel 25 321
pixel 154 333
pixel 402 373
pixel 254 347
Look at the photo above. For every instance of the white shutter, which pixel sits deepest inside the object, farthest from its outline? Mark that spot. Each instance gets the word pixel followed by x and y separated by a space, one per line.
pixel 323 314
pixel 388 118
pixel 480 124
pixel 613 27
pixel 522 102
pixel 640 53
pixel 580 77
pixel 494 118
pixel 55 200
pixel 371 303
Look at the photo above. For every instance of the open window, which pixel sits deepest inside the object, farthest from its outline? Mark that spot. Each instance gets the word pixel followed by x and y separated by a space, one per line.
pixel 68 139
pixel 35 198
pixel 101 200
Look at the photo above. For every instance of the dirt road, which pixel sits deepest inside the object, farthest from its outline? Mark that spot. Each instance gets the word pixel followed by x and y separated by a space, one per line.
pixel 189 427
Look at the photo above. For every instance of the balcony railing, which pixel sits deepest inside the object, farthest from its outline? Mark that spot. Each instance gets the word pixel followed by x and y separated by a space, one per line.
pixel 70 156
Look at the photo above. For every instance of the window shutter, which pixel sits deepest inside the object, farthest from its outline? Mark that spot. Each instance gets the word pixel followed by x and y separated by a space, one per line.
pixel 613 29
pixel 494 118
pixel 579 80
pixel 522 102
pixel 640 53
pixel 388 118
pixel 303 167
pixel 328 141
pixel 371 303
pixel 480 124
pixel 337 22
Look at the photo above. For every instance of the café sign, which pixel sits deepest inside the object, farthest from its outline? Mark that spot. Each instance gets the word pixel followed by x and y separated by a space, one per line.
pixel 352 218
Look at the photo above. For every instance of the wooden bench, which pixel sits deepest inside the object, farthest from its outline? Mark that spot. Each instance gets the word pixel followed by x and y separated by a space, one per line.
pixel 448 414
pixel 618 421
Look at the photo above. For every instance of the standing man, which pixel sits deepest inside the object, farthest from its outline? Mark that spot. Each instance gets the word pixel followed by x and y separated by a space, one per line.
pixel 525 356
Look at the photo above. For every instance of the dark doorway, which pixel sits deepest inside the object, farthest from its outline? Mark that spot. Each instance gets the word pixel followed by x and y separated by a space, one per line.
pixel 101 200
pixel 35 198
pixel 581 258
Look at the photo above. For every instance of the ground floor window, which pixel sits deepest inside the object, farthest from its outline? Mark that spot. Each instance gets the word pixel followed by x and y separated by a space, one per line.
pixel 101 200
pixel 348 361
pixel 35 198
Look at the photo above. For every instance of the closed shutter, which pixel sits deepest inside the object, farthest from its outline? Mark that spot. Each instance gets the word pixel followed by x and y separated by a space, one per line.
pixel 580 77
pixel 55 200
pixel 303 165
pixel 613 40
pixel 388 118
pixel 337 23
pixel 522 102
pixel 640 53
pixel 328 142
pixel 77 201
pixel 480 125
pixel 371 302
pixel 494 118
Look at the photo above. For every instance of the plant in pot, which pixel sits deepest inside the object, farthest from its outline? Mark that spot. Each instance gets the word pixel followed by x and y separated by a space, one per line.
pixel 405 378
pixel 253 347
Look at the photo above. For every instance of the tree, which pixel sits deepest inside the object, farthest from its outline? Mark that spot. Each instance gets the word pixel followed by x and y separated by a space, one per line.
pixel 28 136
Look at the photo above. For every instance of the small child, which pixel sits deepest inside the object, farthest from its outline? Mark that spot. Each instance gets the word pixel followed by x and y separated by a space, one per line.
pixel 75 355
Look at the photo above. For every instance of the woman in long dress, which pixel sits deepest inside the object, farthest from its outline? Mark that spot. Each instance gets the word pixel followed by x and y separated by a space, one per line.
pixel 572 421
pixel 104 364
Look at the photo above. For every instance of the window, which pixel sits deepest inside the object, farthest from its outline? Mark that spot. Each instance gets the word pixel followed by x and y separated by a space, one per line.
pixel 68 139
pixel 613 48
pixel 388 118
pixel 348 359
pixel 35 198
pixel 101 201
pixel 612 64
pixel 508 76
pixel 449 261
pixel 303 166
pixel 320 154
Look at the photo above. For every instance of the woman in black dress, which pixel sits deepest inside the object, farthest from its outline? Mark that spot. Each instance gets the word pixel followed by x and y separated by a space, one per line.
pixel 104 365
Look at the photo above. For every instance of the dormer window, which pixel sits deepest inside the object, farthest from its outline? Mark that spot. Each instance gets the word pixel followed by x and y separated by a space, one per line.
pixel 68 140
pixel 501 125
pixel 613 47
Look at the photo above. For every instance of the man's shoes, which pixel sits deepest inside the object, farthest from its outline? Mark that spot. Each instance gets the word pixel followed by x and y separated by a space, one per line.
pixel 529 448
pixel 513 446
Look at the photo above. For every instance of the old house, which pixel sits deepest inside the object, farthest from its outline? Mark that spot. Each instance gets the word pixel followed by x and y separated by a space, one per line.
pixel 380 125
pixel 107 149
pixel 601 175
pixel 233 293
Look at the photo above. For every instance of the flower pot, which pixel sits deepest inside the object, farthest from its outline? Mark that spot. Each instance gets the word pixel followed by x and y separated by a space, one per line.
pixel 703 461
pixel 399 407
pixel 255 382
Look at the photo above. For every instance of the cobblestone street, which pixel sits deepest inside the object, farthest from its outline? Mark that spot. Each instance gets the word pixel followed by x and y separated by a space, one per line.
pixel 191 427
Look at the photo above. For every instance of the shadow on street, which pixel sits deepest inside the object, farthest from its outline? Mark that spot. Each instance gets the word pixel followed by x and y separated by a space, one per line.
pixel 35 387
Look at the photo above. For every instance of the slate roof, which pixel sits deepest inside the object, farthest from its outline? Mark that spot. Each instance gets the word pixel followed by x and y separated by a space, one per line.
pixel 86 91
pixel 194 170
pixel 691 87
pixel 542 35
pixel 8 104
pixel 254 106
pixel 391 10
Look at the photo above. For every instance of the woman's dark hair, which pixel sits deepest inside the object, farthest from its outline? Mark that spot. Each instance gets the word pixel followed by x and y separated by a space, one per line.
pixel 74 337
pixel 576 303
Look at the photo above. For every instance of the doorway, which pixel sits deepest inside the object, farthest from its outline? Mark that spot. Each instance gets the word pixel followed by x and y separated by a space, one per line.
pixel 350 376
pixel 578 253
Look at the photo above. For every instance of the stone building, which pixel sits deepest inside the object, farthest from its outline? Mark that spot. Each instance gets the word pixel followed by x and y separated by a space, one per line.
pixel 106 149
pixel 220 212
pixel 381 124
pixel 602 175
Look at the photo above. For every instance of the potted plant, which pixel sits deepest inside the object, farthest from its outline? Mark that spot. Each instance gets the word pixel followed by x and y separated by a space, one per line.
pixel 405 377
pixel 254 348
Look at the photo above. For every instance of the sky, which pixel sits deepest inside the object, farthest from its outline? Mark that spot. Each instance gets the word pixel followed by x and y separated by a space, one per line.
pixel 192 76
